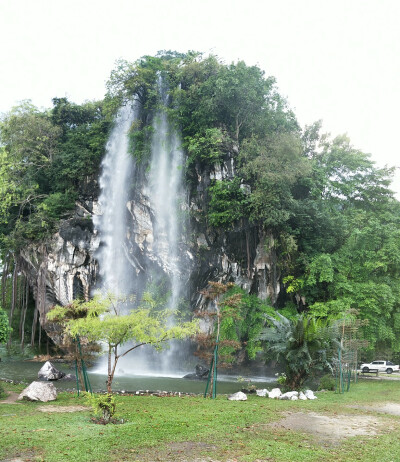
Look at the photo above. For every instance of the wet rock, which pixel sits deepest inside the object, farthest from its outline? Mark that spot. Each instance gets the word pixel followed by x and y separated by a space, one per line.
pixel 239 396
pixel 39 391
pixel 200 374
pixel 69 378
pixel 49 372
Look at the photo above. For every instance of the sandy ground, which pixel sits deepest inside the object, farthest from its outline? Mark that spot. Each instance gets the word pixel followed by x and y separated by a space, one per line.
pixel 330 429
pixel 382 408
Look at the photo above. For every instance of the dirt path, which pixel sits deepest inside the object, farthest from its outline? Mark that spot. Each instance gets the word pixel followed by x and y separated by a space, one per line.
pixel 11 399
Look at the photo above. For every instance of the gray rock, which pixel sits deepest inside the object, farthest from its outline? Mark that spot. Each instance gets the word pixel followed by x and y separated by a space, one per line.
pixel 69 378
pixel 239 396
pixel 200 374
pixel 39 391
pixel 49 372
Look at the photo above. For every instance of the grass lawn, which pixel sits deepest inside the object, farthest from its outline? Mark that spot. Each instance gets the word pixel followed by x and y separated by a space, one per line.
pixel 197 429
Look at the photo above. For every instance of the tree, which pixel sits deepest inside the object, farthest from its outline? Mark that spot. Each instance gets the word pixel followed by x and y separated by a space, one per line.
pixel 4 326
pixel 212 347
pixel 105 322
pixel 77 350
pixel 303 345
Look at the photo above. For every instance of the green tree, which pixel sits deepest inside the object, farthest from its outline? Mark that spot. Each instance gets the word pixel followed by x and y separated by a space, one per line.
pixel 303 345
pixel 104 322
pixel 4 326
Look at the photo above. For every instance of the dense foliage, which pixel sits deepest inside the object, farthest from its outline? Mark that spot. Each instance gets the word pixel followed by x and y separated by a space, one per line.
pixel 47 161
pixel 304 345
pixel 330 210
pixel 4 326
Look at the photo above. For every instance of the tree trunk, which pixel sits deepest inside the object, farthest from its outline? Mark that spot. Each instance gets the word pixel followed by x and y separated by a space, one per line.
pixel 34 324
pixel 4 283
pixel 14 294
pixel 111 367
pixel 23 314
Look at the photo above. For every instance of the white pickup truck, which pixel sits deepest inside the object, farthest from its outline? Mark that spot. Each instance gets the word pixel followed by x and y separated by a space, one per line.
pixel 380 366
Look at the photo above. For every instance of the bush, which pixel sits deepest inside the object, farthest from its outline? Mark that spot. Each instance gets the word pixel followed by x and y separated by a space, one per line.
pixel 327 382
pixel 2 391
pixel 103 405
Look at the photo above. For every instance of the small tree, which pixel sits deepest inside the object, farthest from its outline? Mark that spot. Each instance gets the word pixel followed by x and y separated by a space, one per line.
pixel 76 349
pixel 105 322
pixel 304 345
pixel 211 347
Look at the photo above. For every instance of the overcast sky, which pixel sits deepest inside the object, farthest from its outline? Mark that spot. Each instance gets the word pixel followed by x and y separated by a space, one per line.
pixel 335 60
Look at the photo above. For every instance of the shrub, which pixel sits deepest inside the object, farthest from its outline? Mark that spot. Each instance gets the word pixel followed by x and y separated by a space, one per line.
pixel 327 382
pixel 103 405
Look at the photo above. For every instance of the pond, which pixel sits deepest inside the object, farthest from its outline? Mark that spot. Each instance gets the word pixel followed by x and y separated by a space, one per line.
pixel 26 371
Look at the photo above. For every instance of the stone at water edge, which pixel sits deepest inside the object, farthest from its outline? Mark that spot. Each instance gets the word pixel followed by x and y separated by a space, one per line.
pixel 39 391
pixel 69 378
pixel 49 372
pixel 239 396
pixel 262 392
pixel 274 393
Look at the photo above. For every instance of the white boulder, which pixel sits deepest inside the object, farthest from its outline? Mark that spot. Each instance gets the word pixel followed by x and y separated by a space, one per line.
pixel 262 392
pixel 39 391
pixel 310 394
pixel 274 393
pixel 291 395
pixel 302 396
pixel 239 396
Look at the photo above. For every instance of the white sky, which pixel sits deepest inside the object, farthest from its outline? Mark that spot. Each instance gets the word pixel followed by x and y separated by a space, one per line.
pixel 336 60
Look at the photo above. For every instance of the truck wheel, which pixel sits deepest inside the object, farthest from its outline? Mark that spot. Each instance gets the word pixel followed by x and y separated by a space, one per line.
pixel 365 369
pixel 389 371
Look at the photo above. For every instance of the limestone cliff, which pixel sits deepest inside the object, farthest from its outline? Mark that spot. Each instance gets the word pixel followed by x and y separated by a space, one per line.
pixel 65 266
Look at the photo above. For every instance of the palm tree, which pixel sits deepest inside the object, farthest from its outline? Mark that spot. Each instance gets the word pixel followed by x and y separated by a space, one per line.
pixel 304 345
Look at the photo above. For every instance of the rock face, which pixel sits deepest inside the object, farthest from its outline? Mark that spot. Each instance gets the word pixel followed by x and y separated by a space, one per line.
pixel 66 267
pixel 49 372
pixel 39 391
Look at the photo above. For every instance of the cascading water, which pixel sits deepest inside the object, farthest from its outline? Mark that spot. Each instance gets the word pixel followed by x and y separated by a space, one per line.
pixel 164 195
pixel 117 170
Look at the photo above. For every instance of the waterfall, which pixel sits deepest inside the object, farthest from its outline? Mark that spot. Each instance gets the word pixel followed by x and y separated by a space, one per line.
pixel 166 196
pixel 117 170
pixel 162 197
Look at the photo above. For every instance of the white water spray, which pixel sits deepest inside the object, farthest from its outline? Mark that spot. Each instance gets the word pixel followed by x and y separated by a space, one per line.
pixel 166 197
pixel 164 193
pixel 117 171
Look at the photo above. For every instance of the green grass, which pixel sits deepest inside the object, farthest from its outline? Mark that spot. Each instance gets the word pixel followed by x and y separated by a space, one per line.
pixel 190 428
